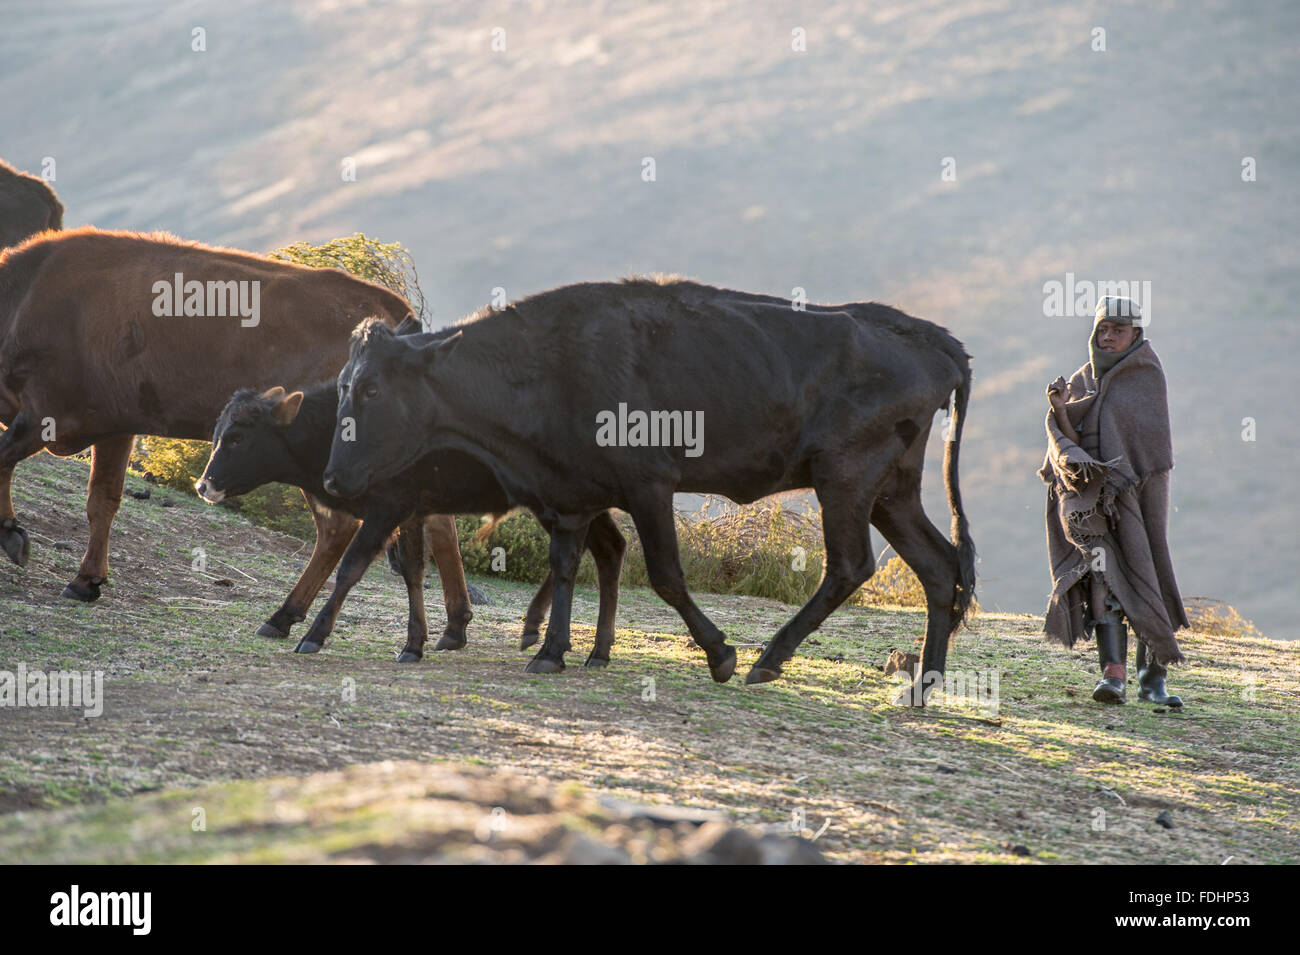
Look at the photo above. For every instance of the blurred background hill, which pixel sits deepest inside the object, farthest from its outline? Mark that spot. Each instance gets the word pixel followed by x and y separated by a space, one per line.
pixel 521 168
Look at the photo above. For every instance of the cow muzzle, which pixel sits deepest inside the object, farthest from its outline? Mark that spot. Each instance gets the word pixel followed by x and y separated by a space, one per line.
pixel 208 492
pixel 340 485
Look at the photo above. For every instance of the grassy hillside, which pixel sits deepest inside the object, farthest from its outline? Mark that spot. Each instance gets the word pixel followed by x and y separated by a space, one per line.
pixel 195 703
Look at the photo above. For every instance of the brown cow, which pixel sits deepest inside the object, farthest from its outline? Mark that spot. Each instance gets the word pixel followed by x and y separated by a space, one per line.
pixel 87 361
pixel 27 206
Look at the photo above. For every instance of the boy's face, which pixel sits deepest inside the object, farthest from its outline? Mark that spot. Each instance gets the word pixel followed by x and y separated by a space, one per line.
pixel 1114 337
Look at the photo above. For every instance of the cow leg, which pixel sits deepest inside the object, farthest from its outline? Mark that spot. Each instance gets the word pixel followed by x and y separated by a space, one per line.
pixel 607 546
pixel 13 539
pixel 365 547
pixel 653 516
pixel 334 529
pixel 536 612
pixel 19 441
pixel 903 522
pixel 108 461
pixel 455 593
pixel 846 498
pixel 566 552
pixel 409 551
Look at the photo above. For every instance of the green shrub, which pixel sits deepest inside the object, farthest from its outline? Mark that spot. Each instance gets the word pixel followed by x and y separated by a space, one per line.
pixel 387 264
pixel 172 462
pixel 527 548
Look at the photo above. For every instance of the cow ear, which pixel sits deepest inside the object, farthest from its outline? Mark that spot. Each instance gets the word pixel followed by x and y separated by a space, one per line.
pixel 409 326
pixel 276 392
pixel 425 356
pixel 284 412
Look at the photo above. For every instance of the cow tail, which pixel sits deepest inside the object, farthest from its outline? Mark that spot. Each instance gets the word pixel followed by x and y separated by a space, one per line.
pixel 961 538
pixel 490 523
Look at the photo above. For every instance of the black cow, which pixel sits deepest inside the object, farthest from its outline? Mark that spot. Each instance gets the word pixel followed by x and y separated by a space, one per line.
pixel 27 206
pixel 286 437
pixel 837 398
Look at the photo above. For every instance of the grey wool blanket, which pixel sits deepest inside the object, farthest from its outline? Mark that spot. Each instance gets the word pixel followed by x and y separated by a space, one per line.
pixel 1108 504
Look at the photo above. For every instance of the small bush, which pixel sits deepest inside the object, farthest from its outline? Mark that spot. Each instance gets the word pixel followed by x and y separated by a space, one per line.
pixel 757 550
pixel 174 463
pixel 527 548
pixel 892 584
pixel 386 264
pixel 1216 618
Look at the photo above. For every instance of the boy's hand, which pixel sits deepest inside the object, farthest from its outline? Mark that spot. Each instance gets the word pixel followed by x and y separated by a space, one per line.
pixel 1056 393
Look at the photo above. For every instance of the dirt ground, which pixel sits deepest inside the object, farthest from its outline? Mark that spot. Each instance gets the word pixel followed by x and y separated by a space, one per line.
pixel 195 702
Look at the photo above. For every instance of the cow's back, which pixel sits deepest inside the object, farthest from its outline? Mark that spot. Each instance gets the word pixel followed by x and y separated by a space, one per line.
pixel 769 385
pixel 735 355
pixel 99 359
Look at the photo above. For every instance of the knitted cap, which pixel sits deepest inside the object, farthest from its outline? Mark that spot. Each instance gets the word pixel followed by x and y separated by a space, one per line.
pixel 1122 311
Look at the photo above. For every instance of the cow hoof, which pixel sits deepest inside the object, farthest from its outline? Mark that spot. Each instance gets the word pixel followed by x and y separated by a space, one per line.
pixel 538 665
pixel 596 663
pixel 450 641
pixel 721 672
pixel 86 593
pixel 269 629
pixel 529 638
pixel 307 646
pixel 758 674
pixel 13 539
pixel 406 656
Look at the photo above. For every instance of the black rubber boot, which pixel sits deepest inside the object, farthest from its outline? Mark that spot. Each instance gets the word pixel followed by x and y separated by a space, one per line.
pixel 1151 680
pixel 1112 648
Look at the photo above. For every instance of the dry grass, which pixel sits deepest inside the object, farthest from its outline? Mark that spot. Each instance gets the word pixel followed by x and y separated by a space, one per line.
pixel 1208 615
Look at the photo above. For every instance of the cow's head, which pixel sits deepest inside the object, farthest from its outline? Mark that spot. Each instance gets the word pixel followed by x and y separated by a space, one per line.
pixel 248 445
pixel 386 405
